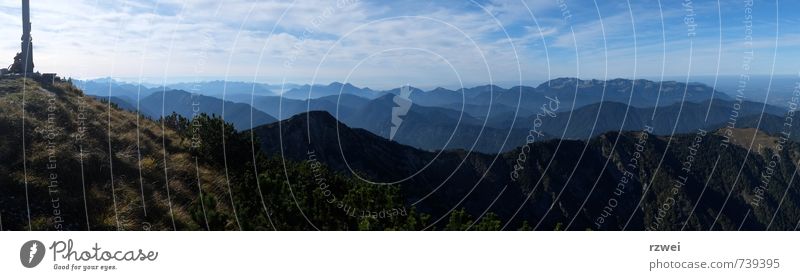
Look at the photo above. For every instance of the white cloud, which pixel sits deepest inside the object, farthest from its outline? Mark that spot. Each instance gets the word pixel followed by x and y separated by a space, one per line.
pixel 177 39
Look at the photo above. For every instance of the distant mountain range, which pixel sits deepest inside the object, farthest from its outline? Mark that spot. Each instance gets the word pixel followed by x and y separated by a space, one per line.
pixel 317 91
pixel 437 128
pixel 485 119
pixel 160 104
pixel 231 90
pixel 241 115
pixel 638 93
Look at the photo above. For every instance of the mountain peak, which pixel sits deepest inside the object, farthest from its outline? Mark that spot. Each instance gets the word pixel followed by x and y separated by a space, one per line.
pixel 323 117
pixel 173 91
pixel 489 87
pixel 621 83
pixel 563 82
pixel 103 80
pixel 343 86
pixel 414 90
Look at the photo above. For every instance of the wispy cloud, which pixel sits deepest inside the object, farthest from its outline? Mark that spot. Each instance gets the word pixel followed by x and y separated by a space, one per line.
pixel 380 43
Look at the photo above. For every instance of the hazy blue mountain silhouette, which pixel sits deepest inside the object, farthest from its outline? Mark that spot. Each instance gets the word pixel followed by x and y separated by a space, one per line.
pixel 638 93
pixel 124 104
pixel 241 115
pixel 611 116
pixel 106 87
pixel 283 108
pixel 231 90
pixel 430 127
pixel 336 88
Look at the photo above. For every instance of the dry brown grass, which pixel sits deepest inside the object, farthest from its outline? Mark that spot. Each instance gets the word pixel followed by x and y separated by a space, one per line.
pixel 65 103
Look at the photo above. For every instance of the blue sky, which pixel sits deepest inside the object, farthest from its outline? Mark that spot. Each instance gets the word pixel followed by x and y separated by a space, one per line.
pixel 385 44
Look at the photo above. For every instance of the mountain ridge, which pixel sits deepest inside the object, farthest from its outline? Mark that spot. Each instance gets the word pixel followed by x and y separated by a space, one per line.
pixel 187 104
pixel 503 195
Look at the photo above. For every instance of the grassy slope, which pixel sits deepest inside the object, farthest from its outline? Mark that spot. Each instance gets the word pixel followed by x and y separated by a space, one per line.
pixel 54 115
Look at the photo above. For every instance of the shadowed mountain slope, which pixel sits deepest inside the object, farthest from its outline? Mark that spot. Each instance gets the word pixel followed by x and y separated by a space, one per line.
pixel 554 173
